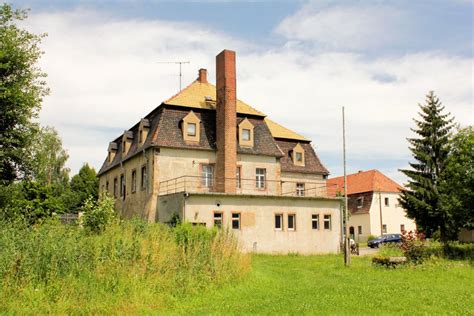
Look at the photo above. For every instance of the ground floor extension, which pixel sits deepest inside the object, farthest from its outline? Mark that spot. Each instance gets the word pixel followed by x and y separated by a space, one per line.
pixel 263 224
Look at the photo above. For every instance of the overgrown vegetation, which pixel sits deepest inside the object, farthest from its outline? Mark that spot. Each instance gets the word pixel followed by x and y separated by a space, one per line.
pixel 131 266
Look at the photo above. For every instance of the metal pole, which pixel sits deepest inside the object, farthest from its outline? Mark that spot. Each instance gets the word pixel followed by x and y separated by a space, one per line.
pixel 347 254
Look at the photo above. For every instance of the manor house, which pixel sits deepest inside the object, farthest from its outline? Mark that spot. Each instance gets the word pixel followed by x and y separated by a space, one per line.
pixel 210 159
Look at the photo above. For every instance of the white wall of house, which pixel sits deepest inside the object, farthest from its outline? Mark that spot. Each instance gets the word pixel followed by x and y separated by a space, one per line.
pixel 362 220
pixel 393 215
pixel 257 232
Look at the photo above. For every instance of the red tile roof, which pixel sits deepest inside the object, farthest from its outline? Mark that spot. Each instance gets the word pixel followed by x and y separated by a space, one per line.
pixel 363 181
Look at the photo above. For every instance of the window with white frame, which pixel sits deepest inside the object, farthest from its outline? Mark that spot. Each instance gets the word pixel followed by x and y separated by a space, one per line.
pixel 207 176
pixel 218 219
pixel 291 222
pixel 327 222
pixel 261 174
pixel 315 221
pixel 300 189
pixel 278 221
pixel 191 129
pixel 360 202
pixel 235 220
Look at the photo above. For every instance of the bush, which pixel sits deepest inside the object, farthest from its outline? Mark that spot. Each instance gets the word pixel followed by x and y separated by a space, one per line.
pixel 414 246
pixel 98 214
pixel 371 237
pixel 458 251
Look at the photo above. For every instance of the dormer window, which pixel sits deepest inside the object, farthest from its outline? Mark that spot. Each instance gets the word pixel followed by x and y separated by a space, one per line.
pixel 112 151
pixel 246 133
pixel 297 155
pixel 143 131
pixel 126 142
pixel 191 127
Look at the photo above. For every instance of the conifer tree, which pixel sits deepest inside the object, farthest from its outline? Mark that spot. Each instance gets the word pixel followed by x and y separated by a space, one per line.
pixel 430 151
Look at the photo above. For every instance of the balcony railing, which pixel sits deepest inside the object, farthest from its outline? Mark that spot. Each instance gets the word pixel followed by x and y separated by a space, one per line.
pixel 203 184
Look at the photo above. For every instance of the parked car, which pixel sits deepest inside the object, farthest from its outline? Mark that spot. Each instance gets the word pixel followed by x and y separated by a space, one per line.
pixel 384 239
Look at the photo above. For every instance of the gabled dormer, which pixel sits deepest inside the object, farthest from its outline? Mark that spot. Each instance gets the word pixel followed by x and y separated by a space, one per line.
pixel 191 128
pixel 246 136
pixel 112 150
pixel 297 155
pixel 127 139
pixel 143 130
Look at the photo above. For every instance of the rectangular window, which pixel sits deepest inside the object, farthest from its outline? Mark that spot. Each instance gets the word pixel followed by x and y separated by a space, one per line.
pixel 140 140
pixel 238 177
pixel 207 176
pixel 359 228
pixel 115 187
pixel 402 228
pixel 315 221
pixel 360 202
pixel 245 134
pixel 134 181
pixel 327 222
pixel 144 181
pixel 218 219
pixel 191 129
pixel 278 222
pixel 300 189
pixel 107 186
pixel 235 220
pixel 387 202
pixel 122 186
pixel 261 178
pixel 291 222
pixel 384 229
pixel 299 157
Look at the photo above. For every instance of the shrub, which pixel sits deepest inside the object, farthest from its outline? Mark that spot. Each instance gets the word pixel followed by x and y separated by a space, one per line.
pixel 371 237
pixel 414 246
pixel 459 251
pixel 98 214
pixel 390 250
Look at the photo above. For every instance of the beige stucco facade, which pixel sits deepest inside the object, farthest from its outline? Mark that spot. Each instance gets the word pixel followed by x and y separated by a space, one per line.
pixel 393 217
pixel 257 232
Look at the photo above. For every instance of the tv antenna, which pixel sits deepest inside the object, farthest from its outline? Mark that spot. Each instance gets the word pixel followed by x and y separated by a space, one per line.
pixel 180 63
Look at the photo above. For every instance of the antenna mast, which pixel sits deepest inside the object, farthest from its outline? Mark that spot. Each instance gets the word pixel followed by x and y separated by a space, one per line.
pixel 180 72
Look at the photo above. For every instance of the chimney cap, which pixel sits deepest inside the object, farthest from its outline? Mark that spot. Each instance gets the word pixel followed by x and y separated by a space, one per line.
pixel 202 75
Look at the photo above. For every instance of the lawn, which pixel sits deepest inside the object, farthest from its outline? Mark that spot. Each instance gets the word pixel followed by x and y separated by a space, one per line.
pixel 322 285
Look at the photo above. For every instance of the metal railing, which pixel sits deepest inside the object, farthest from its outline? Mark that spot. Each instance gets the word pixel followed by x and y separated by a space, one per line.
pixel 203 184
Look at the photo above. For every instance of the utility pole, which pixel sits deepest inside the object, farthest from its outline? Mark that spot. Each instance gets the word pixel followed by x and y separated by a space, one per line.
pixel 380 211
pixel 180 69
pixel 347 254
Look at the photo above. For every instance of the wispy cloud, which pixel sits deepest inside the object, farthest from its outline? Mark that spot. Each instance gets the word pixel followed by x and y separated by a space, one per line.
pixel 104 77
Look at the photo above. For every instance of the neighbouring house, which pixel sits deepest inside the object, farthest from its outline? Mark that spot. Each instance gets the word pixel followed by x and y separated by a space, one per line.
pixel 213 160
pixel 373 204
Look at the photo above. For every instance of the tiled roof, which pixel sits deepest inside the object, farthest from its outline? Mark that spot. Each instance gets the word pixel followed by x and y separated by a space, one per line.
pixel 365 181
pixel 279 131
pixel 312 162
pixel 194 96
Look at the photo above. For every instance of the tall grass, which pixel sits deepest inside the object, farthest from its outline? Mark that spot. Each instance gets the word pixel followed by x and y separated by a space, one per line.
pixel 131 267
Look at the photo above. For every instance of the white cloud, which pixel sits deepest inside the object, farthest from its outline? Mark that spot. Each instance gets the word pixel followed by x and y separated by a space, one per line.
pixel 104 78
pixel 345 26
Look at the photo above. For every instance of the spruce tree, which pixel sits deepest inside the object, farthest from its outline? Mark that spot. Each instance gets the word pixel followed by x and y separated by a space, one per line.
pixel 421 198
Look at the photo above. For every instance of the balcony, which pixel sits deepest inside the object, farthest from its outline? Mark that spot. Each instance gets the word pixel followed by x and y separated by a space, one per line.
pixel 199 184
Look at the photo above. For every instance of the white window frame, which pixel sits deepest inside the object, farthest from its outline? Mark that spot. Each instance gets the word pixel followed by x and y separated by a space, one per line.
pixel 218 219
pixel 315 219
pixel 260 178
pixel 327 219
pixel 281 222
pixel 207 175
pixel 300 189
pixel 236 219
pixel 293 228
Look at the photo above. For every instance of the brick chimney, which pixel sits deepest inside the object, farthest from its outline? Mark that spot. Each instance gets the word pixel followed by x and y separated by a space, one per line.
pixel 226 122
pixel 202 75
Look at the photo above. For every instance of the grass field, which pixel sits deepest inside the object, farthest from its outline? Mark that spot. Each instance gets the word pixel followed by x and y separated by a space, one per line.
pixel 322 285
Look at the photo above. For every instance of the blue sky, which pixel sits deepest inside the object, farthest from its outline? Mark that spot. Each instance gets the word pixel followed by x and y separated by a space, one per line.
pixel 298 61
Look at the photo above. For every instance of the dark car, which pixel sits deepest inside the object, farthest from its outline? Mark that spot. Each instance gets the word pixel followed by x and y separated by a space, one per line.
pixel 389 238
